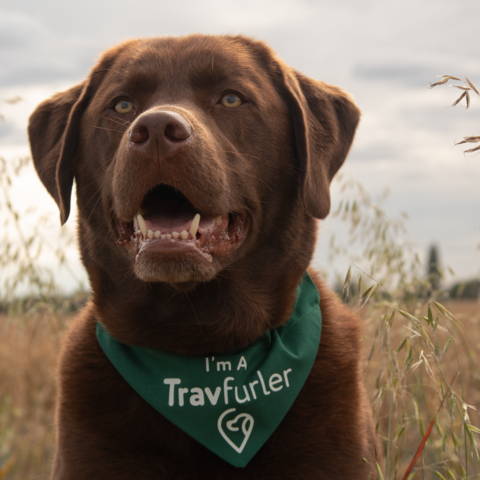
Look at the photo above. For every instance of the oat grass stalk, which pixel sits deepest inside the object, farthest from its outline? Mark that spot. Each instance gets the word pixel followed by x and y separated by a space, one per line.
pixel 467 87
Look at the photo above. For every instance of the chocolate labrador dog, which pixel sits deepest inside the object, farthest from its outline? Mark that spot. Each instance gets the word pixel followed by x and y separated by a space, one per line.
pixel 206 352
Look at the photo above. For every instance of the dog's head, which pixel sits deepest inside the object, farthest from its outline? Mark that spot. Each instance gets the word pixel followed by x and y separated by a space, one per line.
pixel 191 155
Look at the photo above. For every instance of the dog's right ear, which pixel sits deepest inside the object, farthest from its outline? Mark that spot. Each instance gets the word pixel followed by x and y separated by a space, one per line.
pixel 53 134
pixel 324 120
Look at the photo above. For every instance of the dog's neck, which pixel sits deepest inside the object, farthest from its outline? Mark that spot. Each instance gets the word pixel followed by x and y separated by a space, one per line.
pixel 221 316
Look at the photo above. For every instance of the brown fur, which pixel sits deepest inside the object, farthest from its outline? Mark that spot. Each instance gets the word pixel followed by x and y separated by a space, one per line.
pixel 273 157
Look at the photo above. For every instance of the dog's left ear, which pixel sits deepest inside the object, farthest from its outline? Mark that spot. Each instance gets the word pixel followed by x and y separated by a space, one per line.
pixel 324 121
pixel 53 135
pixel 54 129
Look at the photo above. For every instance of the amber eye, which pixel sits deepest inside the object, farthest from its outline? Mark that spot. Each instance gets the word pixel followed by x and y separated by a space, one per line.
pixel 123 106
pixel 231 100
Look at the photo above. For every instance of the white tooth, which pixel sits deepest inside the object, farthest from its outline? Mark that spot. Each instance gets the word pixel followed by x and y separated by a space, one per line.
pixel 141 224
pixel 168 236
pixel 184 235
pixel 150 234
pixel 194 225
pixel 175 234
pixel 163 236
pixel 157 234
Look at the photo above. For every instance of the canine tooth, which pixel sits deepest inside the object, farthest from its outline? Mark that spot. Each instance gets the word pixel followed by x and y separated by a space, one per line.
pixel 157 234
pixel 184 235
pixel 167 235
pixel 150 234
pixel 175 234
pixel 141 224
pixel 194 225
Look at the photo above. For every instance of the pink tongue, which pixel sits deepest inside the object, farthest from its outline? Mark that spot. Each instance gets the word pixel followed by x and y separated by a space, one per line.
pixel 171 214
pixel 167 223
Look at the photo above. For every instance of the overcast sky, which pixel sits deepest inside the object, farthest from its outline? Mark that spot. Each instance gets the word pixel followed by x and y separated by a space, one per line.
pixel 383 52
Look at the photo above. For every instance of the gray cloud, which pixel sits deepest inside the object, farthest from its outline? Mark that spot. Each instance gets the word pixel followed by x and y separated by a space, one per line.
pixel 29 52
pixel 10 134
pixel 41 43
pixel 37 71
pixel 378 151
pixel 19 31
pixel 401 74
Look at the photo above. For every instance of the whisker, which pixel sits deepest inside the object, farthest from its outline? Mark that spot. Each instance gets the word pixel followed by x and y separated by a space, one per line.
pixel 123 123
pixel 96 202
pixel 253 157
pixel 108 129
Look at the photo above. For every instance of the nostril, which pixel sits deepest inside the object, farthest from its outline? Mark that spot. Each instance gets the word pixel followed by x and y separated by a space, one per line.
pixel 139 134
pixel 177 131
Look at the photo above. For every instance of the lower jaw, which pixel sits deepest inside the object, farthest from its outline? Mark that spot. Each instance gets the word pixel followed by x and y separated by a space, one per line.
pixel 173 248
pixel 174 262
pixel 173 270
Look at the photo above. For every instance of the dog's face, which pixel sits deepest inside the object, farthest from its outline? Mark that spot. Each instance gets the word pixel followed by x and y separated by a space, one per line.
pixel 191 155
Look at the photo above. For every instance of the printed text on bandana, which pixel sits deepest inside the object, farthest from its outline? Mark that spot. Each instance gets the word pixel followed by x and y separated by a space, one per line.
pixel 228 391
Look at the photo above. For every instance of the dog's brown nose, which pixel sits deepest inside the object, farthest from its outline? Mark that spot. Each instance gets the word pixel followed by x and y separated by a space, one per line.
pixel 165 129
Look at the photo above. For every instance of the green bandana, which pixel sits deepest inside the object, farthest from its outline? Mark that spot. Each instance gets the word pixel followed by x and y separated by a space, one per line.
pixel 231 404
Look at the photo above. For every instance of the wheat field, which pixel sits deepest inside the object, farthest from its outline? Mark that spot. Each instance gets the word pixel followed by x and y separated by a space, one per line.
pixel 406 393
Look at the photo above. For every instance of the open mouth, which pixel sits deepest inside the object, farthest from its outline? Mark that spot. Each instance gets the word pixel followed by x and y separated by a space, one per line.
pixel 169 224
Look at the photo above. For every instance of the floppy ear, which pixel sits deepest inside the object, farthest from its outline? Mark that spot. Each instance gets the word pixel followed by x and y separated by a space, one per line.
pixel 53 134
pixel 324 121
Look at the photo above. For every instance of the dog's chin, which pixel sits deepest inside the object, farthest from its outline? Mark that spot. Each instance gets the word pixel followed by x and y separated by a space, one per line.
pixel 186 268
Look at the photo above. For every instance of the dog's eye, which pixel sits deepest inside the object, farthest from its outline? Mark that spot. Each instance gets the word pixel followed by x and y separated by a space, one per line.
pixel 231 100
pixel 123 106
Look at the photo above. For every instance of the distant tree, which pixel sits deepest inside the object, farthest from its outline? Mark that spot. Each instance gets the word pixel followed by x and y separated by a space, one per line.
pixel 466 290
pixel 434 274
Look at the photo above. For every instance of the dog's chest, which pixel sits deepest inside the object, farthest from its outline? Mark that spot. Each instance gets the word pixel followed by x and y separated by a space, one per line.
pixel 96 403
pixel 132 426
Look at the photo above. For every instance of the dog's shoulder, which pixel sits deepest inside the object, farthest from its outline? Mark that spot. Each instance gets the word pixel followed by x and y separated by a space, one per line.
pixel 341 327
pixel 82 362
